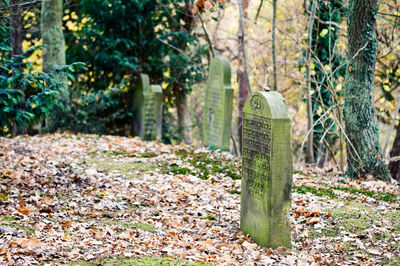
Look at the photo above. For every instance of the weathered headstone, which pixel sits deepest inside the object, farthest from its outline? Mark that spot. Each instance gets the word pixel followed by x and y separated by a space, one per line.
pixel 267 170
pixel 218 105
pixel 147 109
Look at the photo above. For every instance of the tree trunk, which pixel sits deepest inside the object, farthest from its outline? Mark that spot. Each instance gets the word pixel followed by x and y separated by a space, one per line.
pixel 242 75
pixel 16 46
pixel 394 166
pixel 184 119
pixel 274 44
pixel 16 27
pixel 52 34
pixel 310 121
pixel 180 92
pixel 54 53
pixel 363 150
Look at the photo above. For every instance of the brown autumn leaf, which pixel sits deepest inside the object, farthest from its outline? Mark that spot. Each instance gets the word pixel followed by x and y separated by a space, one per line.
pixel 26 243
pixel 66 224
pixel 46 200
pixel 23 209
pixel 313 220
pixel 208 242
pixel 207 5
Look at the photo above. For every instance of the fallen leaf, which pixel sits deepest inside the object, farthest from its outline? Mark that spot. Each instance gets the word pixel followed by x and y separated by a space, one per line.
pixel 23 209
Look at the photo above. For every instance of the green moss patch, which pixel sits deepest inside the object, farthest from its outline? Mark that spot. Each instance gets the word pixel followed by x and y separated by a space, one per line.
pixel 127 169
pixel 150 261
pixel 203 165
pixel 353 191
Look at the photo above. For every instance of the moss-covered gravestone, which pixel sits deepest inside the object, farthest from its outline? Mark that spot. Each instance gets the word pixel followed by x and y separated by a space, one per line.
pixel 267 170
pixel 147 109
pixel 218 105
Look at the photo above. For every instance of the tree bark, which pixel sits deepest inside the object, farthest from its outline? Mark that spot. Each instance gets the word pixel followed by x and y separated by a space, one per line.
pixel 180 92
pixel 16 27
pixel 363 150
pixel 274 44
pixel 394 166
pixel 54 52
pixel 52 34
pixel 16 46
pixel 242 75
pixel 184 119
pixel 310 121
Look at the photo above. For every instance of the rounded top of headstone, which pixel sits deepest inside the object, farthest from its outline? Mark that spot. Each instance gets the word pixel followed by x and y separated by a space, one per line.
pixel 143 81
pixel 156 88
pixel 220 66
pixel 269 104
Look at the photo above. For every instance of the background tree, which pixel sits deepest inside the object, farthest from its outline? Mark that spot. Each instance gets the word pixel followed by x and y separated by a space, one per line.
pixel 52 34
pixel 327 68
pixel 53 53
pixel 242 74
pixel 363 150
pixel 115 38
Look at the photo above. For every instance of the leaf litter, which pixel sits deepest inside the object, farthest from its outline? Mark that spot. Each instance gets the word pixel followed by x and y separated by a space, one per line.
pixel 78 198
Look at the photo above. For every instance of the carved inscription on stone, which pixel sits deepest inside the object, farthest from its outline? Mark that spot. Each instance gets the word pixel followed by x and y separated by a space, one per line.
pixel 215 117
pixel 149 119
pixel 256 153
pixel 218 105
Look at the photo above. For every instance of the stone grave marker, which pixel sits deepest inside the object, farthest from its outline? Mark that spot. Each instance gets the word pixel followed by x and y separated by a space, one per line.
pixel 147 109
pixel 266 170
pixel 218 105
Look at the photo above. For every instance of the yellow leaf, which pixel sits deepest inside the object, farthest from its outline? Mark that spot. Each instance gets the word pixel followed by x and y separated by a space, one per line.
pixel 103 194
pixel 33 105
pixel 323 32
pixel 5 129
pixel 3 197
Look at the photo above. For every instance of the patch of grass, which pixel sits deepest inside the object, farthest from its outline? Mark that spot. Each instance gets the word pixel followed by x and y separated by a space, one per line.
pixel 181 171
pixel 28 231
pixel 210 217
pixel 204 165
pixel 395 261
pixel 329 192
pixel 63 197
pixel 316 191
pixel 106 220
pixel 145 227
pixel 127 169
pixel 356 217
pixel 150 261
pixel 234 191
pixel 9 219
pixel 325 232
pixel 148 155
pixel 379 196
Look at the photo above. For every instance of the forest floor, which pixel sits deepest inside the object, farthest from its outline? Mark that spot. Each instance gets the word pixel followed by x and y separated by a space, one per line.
pixel 85 199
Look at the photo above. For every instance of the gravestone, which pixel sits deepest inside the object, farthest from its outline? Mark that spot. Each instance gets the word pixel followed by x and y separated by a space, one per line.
pixel 147 109
pixel 218 105
pixel 266 170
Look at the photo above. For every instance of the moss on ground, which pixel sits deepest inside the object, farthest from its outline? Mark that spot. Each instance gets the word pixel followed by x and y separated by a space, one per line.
pixel 124 224
pixel 329 192
pixel 356 217
pixel 131 169
pixel 150 261
pixel 202 164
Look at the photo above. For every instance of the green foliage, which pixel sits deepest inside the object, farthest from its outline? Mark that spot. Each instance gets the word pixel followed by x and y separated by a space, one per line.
pixel 328 67
pixel 118 41
pixel 26 95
